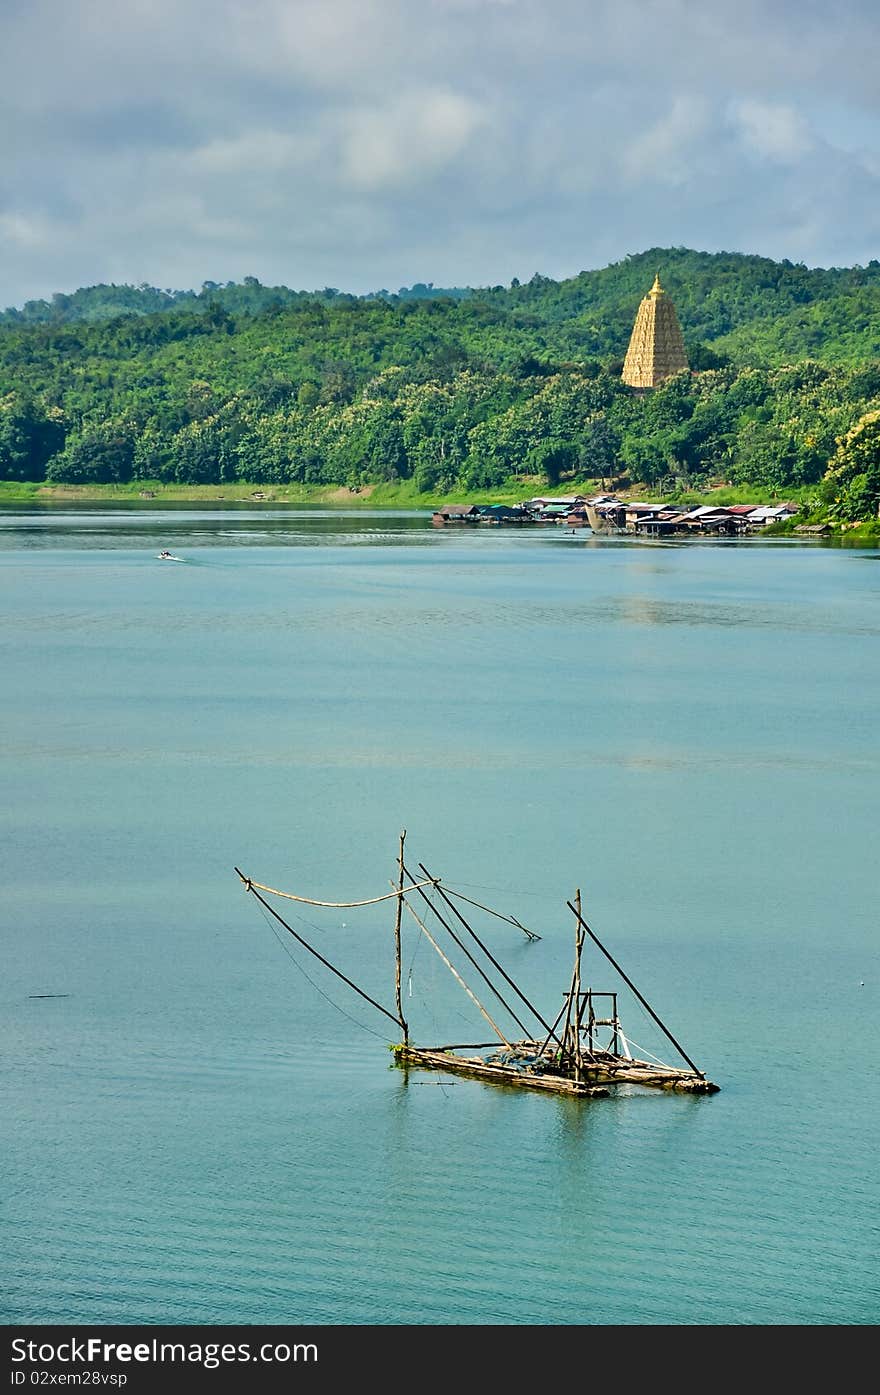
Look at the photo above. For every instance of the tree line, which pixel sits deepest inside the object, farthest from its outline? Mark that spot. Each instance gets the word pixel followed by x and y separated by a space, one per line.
pixel 467 389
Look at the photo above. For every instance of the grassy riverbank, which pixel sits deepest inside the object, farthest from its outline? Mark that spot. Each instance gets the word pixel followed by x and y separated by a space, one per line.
pixel 385 496
pixel 402 495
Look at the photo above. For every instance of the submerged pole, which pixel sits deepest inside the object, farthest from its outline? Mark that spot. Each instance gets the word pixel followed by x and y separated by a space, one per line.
pixel 398 918
pixel 630 984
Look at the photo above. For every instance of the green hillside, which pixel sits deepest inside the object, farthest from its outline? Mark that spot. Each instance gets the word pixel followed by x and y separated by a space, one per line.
pixel 465 388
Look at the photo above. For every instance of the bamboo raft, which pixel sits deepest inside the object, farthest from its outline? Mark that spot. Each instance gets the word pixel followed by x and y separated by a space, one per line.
pixel 601 1072
pixel 584 1052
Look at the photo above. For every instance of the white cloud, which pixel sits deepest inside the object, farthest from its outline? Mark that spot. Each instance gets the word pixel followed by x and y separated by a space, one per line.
pixel 772 130
pixel 409 139
pixel 25 231
pixel 257 151
pixel 362 143
pixel 663 153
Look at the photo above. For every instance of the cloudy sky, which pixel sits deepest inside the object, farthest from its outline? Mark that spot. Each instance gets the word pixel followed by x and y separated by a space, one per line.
pixel 373 143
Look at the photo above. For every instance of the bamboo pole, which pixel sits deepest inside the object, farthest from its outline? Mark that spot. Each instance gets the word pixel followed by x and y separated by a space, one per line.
pixel 305 944
pixel 585 999
pixel 511 919
pixel 646 1005
pixel 552 1033
pixel 452 969
pixel 484 976
pixel 440 891
pixel 397 956
pixel 566 1031
pixel 578 946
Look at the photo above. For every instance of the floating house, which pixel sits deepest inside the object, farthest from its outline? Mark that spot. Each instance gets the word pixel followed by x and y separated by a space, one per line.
pixel 658 519
pixel 455 513
pixel 605 513
pixel 530 511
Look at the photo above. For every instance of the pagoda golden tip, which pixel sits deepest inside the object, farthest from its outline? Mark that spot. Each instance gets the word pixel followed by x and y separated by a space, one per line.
pixel 657 289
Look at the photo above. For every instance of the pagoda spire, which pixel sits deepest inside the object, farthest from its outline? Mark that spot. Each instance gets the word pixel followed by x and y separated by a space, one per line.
pixel 656 347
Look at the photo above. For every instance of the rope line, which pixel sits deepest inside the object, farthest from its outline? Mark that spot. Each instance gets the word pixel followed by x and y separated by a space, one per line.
pixel 649 1055
pixel 332 905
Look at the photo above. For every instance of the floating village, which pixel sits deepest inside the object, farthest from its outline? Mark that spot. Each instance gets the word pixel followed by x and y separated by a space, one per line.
pixel 605 513
pixel 656 351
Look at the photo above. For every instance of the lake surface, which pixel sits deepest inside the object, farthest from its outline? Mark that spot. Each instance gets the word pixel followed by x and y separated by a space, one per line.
pixel 202 1126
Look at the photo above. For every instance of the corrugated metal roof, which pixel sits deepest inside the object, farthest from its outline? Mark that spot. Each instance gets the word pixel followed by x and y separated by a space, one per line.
pixel 771 511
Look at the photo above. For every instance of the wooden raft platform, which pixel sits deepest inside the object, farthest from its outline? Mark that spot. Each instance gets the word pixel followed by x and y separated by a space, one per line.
pixel 478 1069
pixel 583 1052
pixel 596 1076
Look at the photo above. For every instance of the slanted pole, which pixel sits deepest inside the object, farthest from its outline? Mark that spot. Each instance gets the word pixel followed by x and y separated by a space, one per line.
pixel 397 953
pixel 552 1033
pixel 630 984
pixel 249 886
pixel 464 949
pixel 452 969
pixel 492 960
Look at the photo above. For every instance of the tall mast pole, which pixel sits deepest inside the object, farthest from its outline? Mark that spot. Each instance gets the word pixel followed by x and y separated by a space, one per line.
pixel 578 946
pixel 397 952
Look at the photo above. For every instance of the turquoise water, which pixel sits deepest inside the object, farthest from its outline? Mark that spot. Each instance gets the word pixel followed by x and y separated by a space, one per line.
pixel 203 1127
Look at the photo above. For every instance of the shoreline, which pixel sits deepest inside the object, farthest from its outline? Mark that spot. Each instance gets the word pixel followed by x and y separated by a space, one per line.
pixel 401 496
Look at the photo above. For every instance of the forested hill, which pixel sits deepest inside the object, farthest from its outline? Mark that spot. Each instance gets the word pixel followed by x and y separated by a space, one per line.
pixel 716 294
pixel 91 304
pixel 456 387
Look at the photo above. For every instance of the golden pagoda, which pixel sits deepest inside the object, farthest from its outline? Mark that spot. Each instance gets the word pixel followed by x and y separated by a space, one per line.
pixel 656 347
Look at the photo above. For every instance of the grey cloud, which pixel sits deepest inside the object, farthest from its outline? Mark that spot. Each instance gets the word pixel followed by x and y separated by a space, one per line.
pixel 362 143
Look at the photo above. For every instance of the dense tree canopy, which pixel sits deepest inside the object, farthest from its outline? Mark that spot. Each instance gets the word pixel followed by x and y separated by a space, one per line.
pixel 468 387
pixel 853 480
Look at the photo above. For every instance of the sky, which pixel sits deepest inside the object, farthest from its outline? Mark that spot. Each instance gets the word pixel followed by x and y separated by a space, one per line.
pixel 371 144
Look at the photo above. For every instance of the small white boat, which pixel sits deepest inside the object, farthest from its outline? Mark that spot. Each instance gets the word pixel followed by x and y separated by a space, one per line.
pixel 168 557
